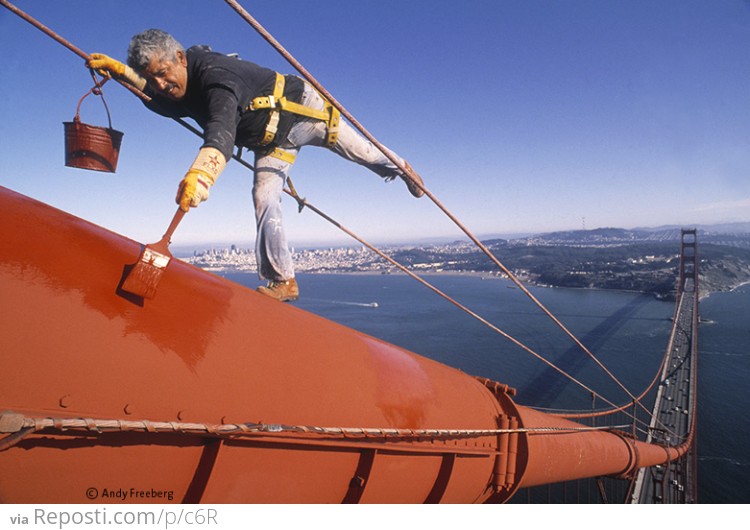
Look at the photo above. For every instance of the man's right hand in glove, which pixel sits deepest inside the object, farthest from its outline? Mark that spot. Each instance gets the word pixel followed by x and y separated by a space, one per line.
pixel 108 67
pixel 105 65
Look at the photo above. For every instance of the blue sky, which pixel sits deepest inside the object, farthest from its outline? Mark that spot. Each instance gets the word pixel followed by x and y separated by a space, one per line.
pixel 522 116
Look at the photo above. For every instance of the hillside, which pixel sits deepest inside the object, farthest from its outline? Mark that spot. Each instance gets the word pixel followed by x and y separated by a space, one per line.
pixel 607 258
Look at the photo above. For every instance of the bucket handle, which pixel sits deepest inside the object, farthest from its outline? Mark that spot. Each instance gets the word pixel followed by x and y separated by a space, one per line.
pixel 96 90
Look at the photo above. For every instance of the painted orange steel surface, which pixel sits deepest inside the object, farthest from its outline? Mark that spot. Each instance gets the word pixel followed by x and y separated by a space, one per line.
pixel 568 455
pixel 206 350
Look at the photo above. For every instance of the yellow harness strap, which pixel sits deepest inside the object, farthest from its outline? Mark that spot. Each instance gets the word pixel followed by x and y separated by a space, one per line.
pixel 269 102
pixel 277 102
pixel 281 154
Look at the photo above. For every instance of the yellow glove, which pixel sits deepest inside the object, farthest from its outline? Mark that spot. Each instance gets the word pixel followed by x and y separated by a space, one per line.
pixel 202 174
pixel 193 189
pixel 105 65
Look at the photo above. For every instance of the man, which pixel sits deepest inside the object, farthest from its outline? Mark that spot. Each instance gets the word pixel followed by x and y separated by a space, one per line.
pixel 238 103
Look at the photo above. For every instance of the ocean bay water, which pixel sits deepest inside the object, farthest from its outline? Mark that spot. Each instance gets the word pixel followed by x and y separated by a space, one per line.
pixel 628 333
pixel 723 397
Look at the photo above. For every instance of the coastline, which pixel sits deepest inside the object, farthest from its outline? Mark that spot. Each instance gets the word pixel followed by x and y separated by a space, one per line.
pixel 730 289
pixel 223 264
pixel 472 274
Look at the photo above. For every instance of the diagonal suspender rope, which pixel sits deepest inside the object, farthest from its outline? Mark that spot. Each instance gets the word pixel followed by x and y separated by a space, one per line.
pixel 292 192
pixel 303 202
pixel 615 408
pixel 277 45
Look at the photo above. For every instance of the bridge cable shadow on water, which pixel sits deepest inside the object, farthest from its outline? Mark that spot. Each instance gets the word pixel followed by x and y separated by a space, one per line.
pixel 543 389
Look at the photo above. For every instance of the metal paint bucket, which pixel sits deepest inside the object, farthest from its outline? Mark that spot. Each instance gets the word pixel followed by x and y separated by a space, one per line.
pixel 90 146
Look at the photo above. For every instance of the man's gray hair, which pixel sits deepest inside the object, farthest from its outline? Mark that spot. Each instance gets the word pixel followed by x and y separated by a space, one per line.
pixel 152 43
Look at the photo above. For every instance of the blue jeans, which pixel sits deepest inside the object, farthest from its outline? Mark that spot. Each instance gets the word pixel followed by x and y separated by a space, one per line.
pixel 271 248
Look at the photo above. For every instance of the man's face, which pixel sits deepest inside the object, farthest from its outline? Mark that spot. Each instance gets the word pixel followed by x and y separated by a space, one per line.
pixel 168 77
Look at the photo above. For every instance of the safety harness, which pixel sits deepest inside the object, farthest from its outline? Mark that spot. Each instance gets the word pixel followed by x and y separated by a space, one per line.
pixel 278 103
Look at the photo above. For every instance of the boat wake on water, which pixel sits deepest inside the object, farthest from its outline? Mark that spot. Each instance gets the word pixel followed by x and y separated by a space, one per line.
pixel 343 302
pixel 725 354
pixel 723 459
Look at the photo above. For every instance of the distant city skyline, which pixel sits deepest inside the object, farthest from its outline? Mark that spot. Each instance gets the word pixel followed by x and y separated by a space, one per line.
pixel 522 117
pixel 715 233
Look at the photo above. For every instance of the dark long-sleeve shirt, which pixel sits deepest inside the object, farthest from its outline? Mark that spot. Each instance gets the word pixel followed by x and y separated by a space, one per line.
pixel 219 89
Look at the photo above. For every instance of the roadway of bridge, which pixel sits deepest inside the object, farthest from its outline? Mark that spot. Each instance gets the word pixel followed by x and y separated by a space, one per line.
pixel 673 410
